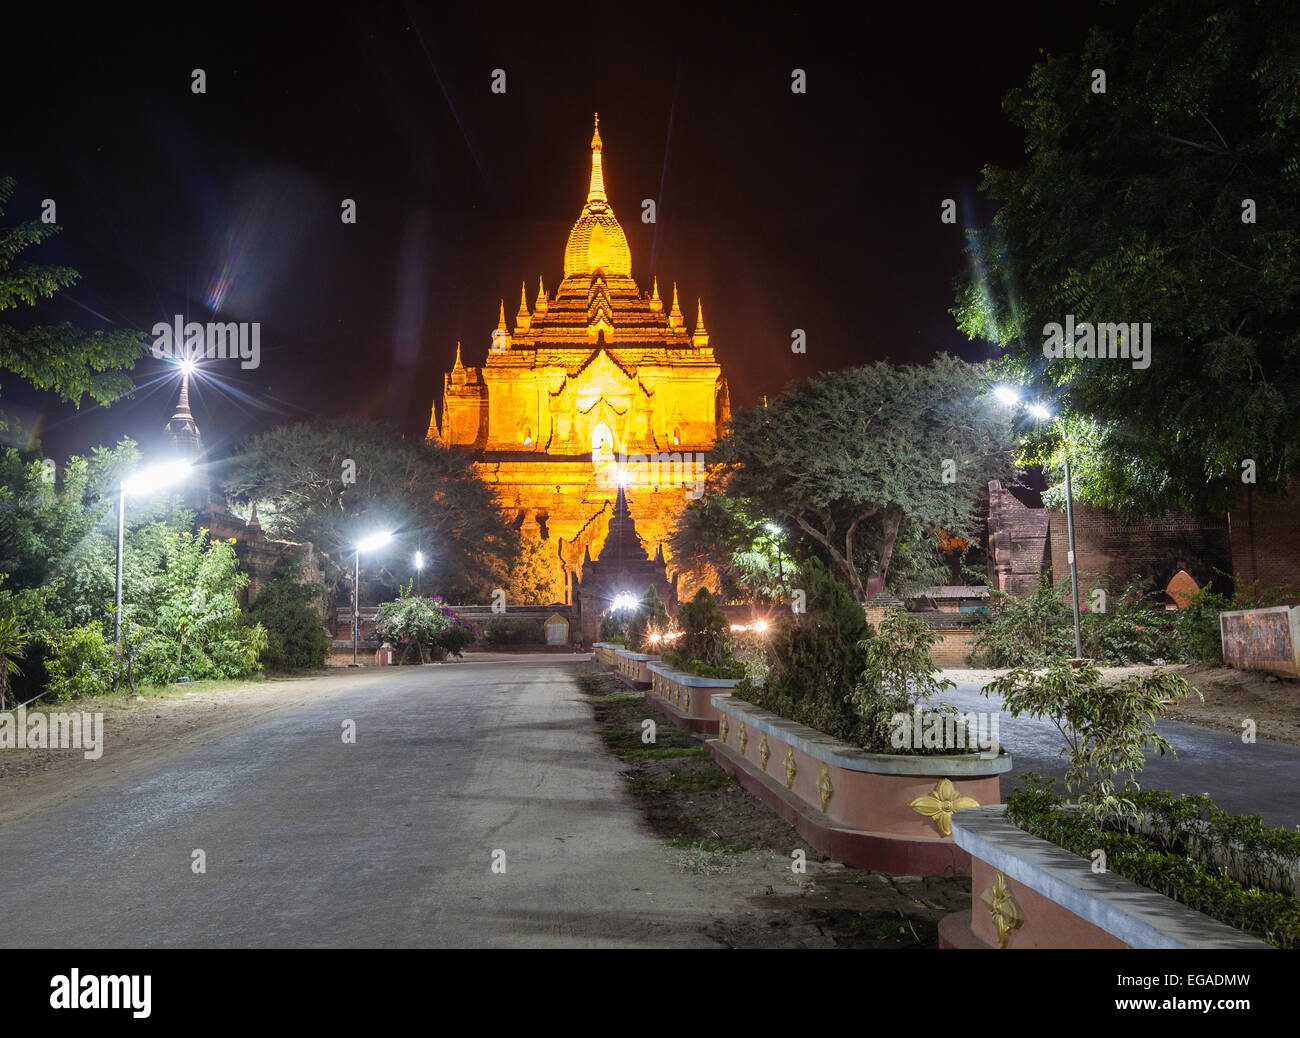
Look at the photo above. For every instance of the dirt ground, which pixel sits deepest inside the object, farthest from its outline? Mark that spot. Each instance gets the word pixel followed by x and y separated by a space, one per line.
pixel 716 829
pixel 1231 696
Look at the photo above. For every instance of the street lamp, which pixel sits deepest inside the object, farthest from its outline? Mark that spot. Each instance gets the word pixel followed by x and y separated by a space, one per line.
pixel 419 567
pixel 375 540
pixel 145 482
pixel 1008 395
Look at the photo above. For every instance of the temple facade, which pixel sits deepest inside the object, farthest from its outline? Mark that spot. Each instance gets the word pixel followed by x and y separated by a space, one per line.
pixel 598 385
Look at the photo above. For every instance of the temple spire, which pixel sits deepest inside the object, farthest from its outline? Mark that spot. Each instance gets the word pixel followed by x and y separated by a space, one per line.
pixel 656 304
pixel 596 192
pixel 501 318
pixel 675 319
pixel 523 317
pixel 458 365
pixel 539 307
pixel 701 336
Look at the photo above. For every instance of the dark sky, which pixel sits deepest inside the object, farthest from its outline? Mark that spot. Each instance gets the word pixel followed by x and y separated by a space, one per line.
pixel 818 211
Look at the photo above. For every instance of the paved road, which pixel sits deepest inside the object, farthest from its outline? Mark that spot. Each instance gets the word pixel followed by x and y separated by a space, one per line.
pixel 387 842
pixel 1262 779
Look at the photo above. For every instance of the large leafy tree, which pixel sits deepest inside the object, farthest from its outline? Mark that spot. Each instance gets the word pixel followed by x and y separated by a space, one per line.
pixel 1171 198
pixel 335 481
pixel 857 458
pixel 730 538
pixel 59 358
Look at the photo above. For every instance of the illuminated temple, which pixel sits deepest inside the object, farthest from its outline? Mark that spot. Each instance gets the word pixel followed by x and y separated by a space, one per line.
pixel 595 372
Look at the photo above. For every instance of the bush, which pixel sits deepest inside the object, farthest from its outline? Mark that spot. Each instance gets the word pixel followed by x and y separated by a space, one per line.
pixel 1106 729
pixel 651 618
pixel 817 660
pixel 1173 846
pixel 81 662
pixel 898 673
pixel 426 626
pixel 295 637
pixel 705 631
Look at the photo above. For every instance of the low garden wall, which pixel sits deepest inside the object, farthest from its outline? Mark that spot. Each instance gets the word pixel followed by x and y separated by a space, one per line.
pixel 687 699
pixel 1029 893
pixel 871 810
pixel 604 654
pixel 633 668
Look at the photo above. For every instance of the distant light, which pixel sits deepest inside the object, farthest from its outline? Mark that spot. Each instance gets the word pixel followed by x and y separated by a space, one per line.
pixel 622 476
pixel 1007 394
pixel 738 627
pixel 419 560
pixel 156 478
pixel 760 626
pixel 375 540
pixel 625 600
pixel 187 366
pixel 772 528
pixel 1039 412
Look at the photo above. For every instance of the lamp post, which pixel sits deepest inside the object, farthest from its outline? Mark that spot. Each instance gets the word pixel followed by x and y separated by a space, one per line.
pixel 1009 395
pixel 377 540
pixel 419 567
pixel 145 482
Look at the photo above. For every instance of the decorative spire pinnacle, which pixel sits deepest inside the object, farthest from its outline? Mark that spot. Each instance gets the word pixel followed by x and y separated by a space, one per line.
pixel 596 199
pixel 701 336
pixel 539 307
pixel 675 319
pixel 523 318
pixel 501 318
pixel 458 365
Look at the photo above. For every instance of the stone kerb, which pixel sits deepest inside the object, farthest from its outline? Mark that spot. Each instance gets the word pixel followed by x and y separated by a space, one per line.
pixel 890 812
pixel 1029 893
pixel 685 698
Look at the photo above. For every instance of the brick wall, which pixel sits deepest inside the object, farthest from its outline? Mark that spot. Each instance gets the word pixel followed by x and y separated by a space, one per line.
pixel 1152 549
pixel 1017 542
pixel 1265 538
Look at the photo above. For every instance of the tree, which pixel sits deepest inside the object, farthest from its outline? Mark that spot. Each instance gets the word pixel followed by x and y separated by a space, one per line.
pixel 59 358
pixel 334 481
pixel 13 642
pixel 728 536
pixel 537 578
pixel 1171 198
pixel 855 458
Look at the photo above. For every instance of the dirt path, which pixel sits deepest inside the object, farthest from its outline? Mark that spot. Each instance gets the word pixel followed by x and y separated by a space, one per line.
pixel 719 831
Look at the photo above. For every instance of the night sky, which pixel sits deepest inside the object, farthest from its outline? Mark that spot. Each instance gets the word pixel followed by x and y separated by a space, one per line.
pixel 818 211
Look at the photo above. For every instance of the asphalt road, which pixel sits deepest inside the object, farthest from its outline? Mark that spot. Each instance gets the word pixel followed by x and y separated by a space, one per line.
pixel 387 842
pixel 1262 778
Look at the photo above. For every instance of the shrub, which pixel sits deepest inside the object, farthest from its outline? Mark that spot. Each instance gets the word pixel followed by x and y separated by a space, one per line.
pixel 1105 728
pixel 817 659
pixel 1025 630
pixel 898 673
pixel 426 626
pixel 650 618
pixel 705 631
pixel 81 662
pixel 295 637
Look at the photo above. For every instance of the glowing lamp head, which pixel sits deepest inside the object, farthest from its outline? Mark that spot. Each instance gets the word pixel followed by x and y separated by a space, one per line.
pixel 1007 394
pixel 419 560
pixel 1040 412
pixel 760 626
pixel 624 600
pixel 156 478
pixel 375 540
pixel 187 367
pixel 773 529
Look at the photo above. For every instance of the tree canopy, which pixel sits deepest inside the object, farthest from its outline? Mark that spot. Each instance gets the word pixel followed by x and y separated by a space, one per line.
pixel 1169 198
pixel 334 482
pixel 858 459
pixel 60 358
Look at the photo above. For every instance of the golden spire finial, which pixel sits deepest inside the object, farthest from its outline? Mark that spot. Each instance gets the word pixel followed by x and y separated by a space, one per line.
pixel 458 364
pixel 675 314
pixel 654 294
pixel 539 306
pixel 699 317
pixel 501 318
pixel 523 318
pixel 596 193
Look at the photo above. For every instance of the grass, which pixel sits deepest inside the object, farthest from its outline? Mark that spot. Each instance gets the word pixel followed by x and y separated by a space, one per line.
pixel 665 753
pixel 686 843
pixel 617 697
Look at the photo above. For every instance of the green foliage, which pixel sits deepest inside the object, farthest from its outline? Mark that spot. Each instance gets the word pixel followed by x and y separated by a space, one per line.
pixel 81 662
pixel 613 628
pixel 297 474
pixel 503 631
pixel 856 458
pixel 729 537
pixel 897 674
pixel 817 658
pixel 1106 729
pixel 64 360
pixel 705 631
pixel 537 576
pixel 1230 867
pixel 195 626
pixel 13 645
pixel 427 627
pixel 296 638
pixel 1129 208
